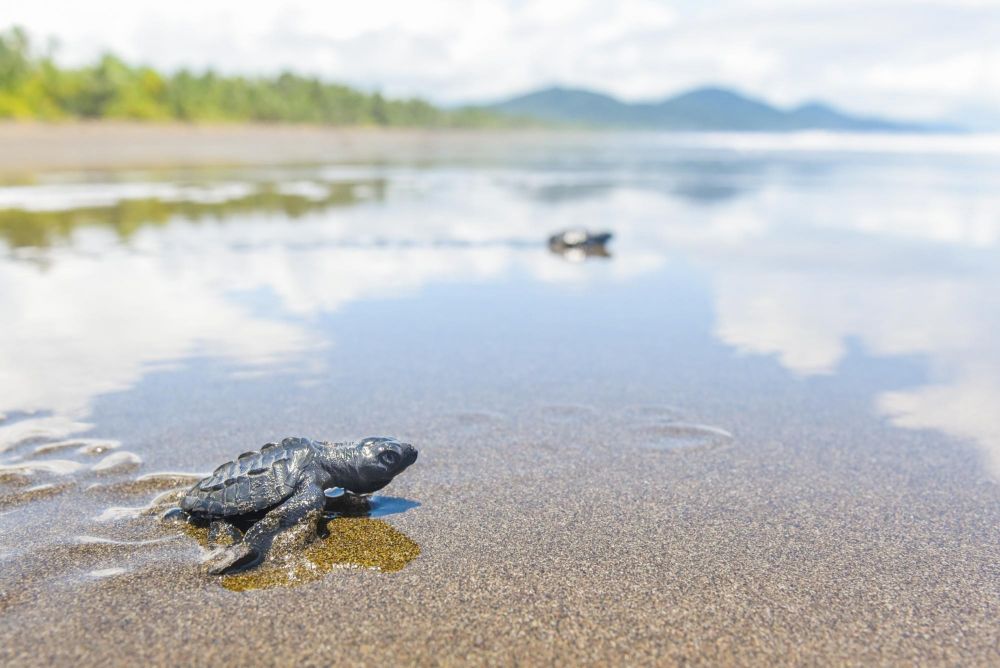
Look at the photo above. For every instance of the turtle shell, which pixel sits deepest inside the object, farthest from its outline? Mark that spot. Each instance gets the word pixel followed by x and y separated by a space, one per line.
pixel 254 481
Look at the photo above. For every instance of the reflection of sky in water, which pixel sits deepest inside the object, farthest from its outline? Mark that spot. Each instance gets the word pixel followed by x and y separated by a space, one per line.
pixel 378 506
pixel 802 257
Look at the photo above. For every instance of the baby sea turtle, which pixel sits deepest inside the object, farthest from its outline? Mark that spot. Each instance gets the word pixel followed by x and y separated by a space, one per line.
pixel 281 485
pixel 580 242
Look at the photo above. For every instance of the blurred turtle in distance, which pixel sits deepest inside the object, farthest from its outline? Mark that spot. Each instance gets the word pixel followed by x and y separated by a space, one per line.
pixel 579 244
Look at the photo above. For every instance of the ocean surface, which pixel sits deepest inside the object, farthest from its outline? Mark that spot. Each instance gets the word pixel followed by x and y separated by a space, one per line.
pixel 805 329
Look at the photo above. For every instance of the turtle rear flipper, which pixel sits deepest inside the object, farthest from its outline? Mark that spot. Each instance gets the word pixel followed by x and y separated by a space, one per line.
pixel 232 559
pixel 308 498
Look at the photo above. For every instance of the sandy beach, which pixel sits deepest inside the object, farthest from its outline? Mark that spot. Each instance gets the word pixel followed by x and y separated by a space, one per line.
pixel 663 457
pixel 557 545
pixel 28 147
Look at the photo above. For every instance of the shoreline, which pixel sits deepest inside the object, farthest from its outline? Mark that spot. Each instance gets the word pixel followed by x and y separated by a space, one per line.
pixel 31 147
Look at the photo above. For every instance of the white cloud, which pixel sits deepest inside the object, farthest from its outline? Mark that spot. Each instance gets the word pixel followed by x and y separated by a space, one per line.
pixel 895 57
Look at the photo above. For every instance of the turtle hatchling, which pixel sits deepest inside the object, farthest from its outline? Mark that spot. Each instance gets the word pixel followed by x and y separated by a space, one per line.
pixel 282 484
pixel 579 244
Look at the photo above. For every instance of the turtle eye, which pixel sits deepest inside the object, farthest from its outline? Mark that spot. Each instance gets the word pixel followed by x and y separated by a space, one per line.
pixel 389 457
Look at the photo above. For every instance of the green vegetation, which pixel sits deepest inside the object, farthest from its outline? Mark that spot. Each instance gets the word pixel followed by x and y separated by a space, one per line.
pixel 34 86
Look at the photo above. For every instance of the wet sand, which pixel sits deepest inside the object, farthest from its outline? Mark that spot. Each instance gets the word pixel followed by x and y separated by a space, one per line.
pixel 547 539
pixel 30 147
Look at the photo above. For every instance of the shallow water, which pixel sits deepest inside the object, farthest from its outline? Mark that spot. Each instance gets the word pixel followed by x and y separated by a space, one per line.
pixel 808 335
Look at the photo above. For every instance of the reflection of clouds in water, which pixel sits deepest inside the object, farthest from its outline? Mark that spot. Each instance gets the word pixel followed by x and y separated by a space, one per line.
pixel 65 196
pixel 773 316
pixel 805 307
pixel 94 317
pixel 87 325
pixel 801 262
pixel 890 256
pixel 799 271
pixel 806 319
pixel 966 407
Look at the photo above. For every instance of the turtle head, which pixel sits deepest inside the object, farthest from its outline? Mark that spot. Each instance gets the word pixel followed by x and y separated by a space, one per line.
pixel 375 461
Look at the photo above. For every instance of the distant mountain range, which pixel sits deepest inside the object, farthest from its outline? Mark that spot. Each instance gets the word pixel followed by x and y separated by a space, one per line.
pixel 709 108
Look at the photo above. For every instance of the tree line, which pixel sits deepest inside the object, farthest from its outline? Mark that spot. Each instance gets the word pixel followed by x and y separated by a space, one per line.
pixel 34 86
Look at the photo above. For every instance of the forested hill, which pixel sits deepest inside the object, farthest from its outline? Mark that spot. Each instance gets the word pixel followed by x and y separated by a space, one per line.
pixel 34 86
pixel 699 109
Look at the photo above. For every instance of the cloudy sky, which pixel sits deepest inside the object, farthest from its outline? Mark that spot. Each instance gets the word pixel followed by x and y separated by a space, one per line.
pixel 905 58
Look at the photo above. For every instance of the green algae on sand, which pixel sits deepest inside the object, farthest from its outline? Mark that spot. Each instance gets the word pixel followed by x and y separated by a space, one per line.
pixel 358 542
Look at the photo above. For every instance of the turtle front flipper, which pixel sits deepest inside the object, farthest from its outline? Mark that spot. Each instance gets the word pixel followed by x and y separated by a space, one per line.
pixel 346 503
pixel 307 498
